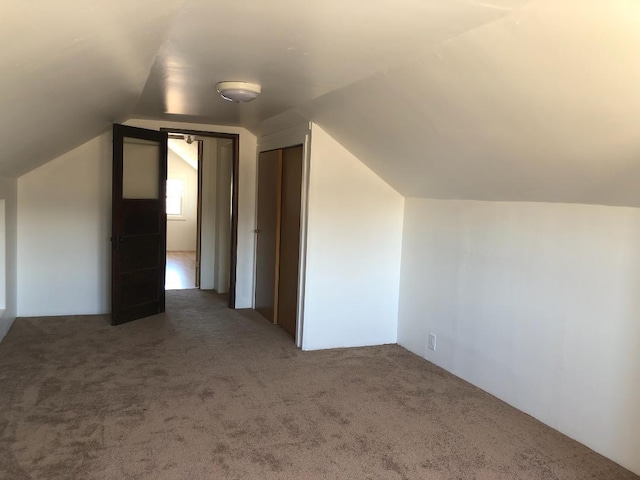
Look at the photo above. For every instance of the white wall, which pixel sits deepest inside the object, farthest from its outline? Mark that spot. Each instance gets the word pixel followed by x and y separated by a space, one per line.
pixel 65 209
pixel 354 238
pixel 216 214
pixel 537 304
pixel 182 230
pixel 8 309
pixel 209 212
pixel 65 225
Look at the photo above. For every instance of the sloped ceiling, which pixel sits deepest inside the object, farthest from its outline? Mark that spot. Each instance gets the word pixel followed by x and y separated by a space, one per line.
pixel 543 105
pixel 186 151
pixel 533 100
pixel 70 68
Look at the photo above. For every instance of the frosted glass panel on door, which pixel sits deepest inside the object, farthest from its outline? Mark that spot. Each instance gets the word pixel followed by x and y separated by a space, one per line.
pixel 140 169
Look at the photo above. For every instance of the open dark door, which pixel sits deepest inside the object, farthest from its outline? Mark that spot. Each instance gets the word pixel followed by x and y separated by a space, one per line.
pixel 139 223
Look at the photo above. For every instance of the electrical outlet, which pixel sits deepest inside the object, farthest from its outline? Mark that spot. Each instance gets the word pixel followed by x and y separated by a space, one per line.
pixel 432 341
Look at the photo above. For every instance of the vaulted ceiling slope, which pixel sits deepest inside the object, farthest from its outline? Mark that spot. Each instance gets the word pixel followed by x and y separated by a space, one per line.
pixel 69 68
pixel 534 100
pixel 543 105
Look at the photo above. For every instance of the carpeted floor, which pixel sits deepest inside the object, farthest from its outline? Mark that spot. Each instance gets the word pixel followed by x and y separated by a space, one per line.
pixel 203 392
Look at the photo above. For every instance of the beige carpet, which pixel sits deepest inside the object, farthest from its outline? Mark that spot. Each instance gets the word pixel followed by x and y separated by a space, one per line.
pixel 203 392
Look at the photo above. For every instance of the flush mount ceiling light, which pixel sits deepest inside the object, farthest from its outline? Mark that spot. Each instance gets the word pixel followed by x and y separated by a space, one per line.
pixel 238 91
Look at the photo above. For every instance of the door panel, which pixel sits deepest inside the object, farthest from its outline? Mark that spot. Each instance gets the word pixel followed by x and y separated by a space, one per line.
pixel 290 238
pixel 268 233
pixel 139 253
pixel 139 288
pixel 138 223
pixel 141 217
pixel 140 168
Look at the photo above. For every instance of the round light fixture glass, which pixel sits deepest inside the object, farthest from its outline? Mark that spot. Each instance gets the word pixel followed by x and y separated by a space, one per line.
pixel 238 91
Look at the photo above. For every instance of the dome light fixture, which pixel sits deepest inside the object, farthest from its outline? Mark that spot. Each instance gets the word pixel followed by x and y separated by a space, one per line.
pixel 238 91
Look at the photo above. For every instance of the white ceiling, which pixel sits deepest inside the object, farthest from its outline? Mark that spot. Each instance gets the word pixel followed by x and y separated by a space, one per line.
pixel 68 69
pixel 296 50
pixel 498 100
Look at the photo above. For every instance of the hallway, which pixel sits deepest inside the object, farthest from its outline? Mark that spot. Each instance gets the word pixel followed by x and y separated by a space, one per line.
pixel 180 271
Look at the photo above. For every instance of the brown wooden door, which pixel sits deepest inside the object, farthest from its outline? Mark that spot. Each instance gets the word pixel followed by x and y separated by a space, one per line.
pixel 290 239
pixel 139 221
pixel 268 233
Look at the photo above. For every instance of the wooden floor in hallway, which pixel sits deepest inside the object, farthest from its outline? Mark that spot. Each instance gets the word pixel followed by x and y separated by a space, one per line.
pixel 180 271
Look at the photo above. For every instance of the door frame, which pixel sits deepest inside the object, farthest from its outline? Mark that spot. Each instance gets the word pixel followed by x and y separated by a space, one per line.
pixel 235 167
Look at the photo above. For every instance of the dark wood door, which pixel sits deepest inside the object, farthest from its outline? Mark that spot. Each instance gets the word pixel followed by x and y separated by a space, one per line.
pixel 199 216
pixel 268 233
pixel 290 238
pixel 139 223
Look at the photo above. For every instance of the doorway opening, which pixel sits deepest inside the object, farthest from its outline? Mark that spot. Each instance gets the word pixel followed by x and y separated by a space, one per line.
pixel 201 211
pixel 183 158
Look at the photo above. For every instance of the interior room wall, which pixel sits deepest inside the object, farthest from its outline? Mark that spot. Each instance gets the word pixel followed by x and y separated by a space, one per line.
pixel 182 230
pixel 8 282
pixel 64 230
pixel 209 211
pixel 64 227
pixel 354 238
pixel 535 303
